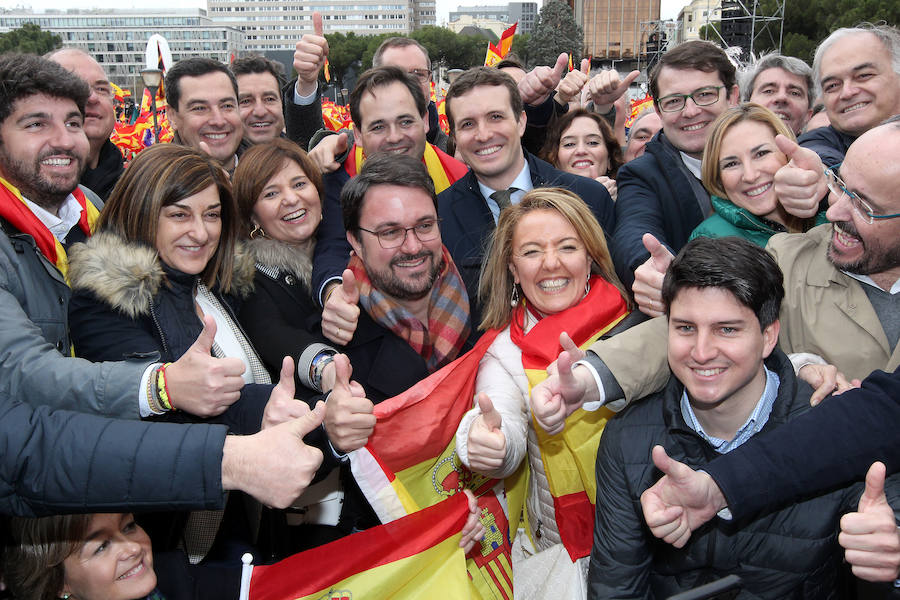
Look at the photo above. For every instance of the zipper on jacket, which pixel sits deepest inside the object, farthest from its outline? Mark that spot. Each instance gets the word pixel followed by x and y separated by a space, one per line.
pixel 162 336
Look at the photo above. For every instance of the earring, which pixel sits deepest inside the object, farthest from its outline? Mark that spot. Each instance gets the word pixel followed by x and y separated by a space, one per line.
pixel 257 231
pixel 514 300
pixel 587 285
pixel 66 596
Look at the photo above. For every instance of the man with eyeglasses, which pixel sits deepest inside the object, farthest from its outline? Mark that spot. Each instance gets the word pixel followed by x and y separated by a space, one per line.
pixel 660 192
pixel 104 163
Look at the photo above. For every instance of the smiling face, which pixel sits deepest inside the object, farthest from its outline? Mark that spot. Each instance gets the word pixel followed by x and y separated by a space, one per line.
pixel 688 128
pixel 549 261
pixel 785 94
pixel 99 113
pixel 642 132
pixel 288 208
pixel 408 271
pixel 488 134
pixel 208 112
pixel 188 232
pixel 43 149
pixel 391 123
pixel 716 349
pixel 259 100
pixel 870 169
pixel 748 161
pixel 582 150
pixel 114 563
pixel 859 86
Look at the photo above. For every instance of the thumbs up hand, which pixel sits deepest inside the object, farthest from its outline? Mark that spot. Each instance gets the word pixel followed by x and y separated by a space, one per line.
pixel 309 57
pixel 540 82
pixel 800 184
pixel 349 418
pixel 487 444
pixel 201 384
pixel 569 89
pixel 870 536
pixel 648 277
pixel 341 312
pixel 606 87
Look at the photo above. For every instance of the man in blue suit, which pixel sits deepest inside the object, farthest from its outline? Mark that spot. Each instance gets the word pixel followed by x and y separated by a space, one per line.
pixel 487 121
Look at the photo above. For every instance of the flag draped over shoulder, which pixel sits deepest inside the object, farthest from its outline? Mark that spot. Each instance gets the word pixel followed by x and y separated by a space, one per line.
pixel 569 457
pixel 443 168
pixel 415 557
pixel 410 463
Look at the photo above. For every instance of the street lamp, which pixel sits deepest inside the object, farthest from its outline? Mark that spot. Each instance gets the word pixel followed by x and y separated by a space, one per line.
pixel 152 78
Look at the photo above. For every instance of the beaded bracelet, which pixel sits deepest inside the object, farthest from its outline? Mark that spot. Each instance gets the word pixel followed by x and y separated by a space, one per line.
pixel 152 395
pixel 163 389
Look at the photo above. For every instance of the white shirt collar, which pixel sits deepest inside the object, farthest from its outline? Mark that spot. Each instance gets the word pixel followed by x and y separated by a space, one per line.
pixel 692 164
pixel 59 226
pixel 869 281
pixel 523 184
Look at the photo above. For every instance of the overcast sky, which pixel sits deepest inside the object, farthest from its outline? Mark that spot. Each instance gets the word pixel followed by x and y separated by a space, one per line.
pixel 670 8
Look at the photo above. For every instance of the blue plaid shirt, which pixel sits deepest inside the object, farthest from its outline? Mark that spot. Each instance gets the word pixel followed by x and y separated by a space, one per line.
pixel 757 420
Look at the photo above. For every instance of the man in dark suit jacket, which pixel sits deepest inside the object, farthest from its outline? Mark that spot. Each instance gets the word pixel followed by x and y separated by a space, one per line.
pixel 660 192
pixel 487 122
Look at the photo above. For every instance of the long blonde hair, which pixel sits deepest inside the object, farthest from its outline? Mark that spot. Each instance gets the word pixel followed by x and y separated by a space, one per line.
pixel 495 285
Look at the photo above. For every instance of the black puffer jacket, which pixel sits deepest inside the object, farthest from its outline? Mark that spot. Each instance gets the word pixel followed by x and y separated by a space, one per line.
pixel 790 553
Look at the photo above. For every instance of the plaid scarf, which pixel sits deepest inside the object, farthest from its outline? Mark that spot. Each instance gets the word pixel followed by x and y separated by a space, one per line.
pixel 448 313
pixel 14 210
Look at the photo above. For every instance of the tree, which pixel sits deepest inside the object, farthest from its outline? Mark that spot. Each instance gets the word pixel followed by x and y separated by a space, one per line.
pixel 343 52
pixel 454 50
pixel 712 32
pixel 520 48
pixel 555 31
pixel 29 39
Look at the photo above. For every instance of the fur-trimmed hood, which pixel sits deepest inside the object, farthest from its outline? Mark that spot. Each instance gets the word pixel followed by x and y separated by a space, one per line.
pixel 282 257
pixel 127 275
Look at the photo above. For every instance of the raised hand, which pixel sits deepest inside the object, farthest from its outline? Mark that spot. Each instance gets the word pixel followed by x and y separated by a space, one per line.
pixel 564 390
pixel 681 501
pixel 825 380
pixel 648 277
pixel 540 82
pixel 610 185
pixel 569 88
pixel 201 384
pixel 487 444
pixel 800 184
pixel 274 466
pixel 870 536
pixel 606 87
pixel 282 406
pixel 309 57
pixel 349 419
pixel 341 312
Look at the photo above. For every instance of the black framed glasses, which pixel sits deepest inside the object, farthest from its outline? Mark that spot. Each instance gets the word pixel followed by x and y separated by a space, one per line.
pixel 837 187
pixel 422 75
pixel 701 96
pixel 393 237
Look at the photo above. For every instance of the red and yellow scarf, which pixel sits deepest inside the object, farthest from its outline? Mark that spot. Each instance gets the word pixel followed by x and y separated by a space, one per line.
pixel 438 341
pixel 569 457
pixel 443 168
pixel 14 210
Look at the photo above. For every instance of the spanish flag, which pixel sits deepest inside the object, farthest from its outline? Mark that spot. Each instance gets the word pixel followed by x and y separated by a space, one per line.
pixel 411 558
pixel 410 463
pixel 443 168
pixel 506 40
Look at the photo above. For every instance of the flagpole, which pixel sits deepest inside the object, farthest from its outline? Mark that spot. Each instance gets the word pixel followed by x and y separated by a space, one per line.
pixel 246 572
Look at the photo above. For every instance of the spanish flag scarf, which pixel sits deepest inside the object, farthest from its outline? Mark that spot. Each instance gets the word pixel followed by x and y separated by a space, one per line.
pixel 569 457
pixel 14 210
pixel 443 168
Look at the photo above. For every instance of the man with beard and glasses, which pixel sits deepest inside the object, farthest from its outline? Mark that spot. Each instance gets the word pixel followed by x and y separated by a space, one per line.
pixel 414 315
pixel 840 319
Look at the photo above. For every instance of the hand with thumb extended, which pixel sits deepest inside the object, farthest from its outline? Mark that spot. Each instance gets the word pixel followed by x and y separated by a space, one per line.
pixel 540 82
pixel 274 466
pixel 681 501
pixel 349 418
pixel 606 87
pixel 329 150
pixel 201 384
pixel 340 314
pixel 282 406
pixel 486 442
pixel 800 184
pixel 564 391
pixel 648 277
pixel 870 536
pixel 309 57
pixel 569 89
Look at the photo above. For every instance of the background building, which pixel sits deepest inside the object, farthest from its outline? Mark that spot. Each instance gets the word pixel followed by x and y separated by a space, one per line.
pixel 695 15
pixel 117 39
pixel 495 16
pixel 612 28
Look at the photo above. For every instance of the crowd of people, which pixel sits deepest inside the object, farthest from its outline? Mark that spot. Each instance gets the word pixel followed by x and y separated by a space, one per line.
pixel 194 344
